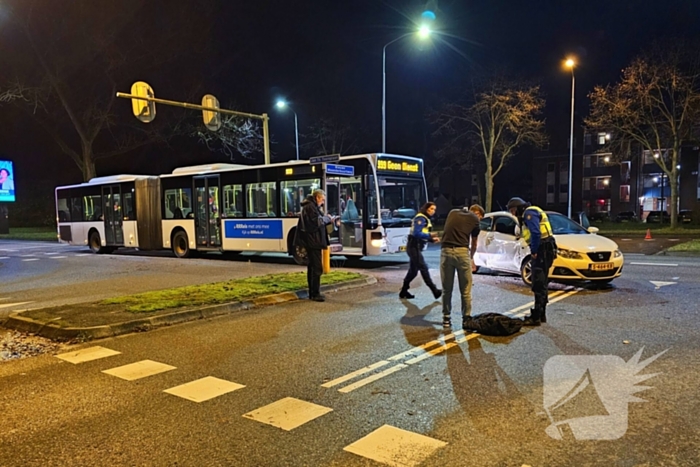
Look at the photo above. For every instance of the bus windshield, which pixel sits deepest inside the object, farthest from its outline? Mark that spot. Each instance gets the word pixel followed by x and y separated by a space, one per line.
pixel 400 198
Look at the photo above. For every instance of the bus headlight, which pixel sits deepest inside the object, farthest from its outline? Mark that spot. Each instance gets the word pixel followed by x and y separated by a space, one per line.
pixel 377 243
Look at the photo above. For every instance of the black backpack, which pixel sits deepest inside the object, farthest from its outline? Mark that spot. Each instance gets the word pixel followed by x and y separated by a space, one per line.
pixel 493 324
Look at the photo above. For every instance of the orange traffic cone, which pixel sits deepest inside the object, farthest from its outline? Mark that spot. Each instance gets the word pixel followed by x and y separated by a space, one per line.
pixel 648 237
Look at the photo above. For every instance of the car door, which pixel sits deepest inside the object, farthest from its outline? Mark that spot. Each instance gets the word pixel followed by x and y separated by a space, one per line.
pixel 504 246
pixel 481 258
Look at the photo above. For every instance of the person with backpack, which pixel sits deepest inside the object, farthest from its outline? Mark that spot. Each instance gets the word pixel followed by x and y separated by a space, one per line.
pixel 536 230
pixel 312 234
pixel 420 235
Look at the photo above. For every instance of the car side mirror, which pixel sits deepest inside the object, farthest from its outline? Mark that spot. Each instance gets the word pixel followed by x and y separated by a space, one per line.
pixel 593 230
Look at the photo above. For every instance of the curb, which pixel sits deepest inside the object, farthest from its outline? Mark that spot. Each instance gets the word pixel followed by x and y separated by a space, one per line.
pixel 53 332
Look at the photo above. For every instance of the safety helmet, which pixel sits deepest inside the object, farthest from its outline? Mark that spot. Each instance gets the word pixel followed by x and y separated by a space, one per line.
pixel 517 203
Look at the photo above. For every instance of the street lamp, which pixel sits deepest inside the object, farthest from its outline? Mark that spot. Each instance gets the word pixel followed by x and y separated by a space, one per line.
pixel 424 32
pixel 282 104
pixel 570 64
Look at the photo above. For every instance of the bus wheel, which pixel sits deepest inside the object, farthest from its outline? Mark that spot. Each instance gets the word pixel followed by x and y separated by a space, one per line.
pixel 95 243
pixel 181 245
pixel 300 255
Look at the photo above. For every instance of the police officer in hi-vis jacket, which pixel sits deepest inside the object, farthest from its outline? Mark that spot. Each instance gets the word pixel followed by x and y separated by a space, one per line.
pixel 419 236
pixel 536 230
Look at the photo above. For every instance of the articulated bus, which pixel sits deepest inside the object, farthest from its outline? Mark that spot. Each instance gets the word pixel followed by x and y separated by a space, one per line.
pixel 236 208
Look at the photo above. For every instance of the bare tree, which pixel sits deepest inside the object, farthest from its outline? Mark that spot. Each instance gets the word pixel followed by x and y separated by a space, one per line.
pixel 237 137
pixel 327 136
pixel 67 60
pixel 655 106
pixel 499 117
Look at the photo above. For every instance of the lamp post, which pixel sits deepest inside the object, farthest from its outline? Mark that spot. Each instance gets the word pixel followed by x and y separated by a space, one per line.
pixel 423 33
pixel 281 104
pixel 570 63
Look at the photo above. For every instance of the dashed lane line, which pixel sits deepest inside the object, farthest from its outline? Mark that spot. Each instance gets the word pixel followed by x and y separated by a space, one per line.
pixel 8 305
pixel 30 259
pixel 422 352
pixel 654 264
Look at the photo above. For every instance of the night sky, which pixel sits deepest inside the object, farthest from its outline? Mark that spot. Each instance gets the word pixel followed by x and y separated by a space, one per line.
pixel 325 57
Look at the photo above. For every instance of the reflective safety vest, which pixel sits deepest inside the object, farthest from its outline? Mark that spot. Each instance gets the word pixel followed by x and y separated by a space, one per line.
pixel 428 226
pixel 545 226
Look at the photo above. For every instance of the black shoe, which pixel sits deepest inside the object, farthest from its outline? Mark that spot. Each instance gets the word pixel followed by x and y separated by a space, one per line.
pixel 543 317
pixel 437 293
pixel 318 298
pixel 406 294
pixel 446 323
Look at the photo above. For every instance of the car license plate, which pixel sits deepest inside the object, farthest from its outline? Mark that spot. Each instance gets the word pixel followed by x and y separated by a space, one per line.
pixel 402 248
pixel 602 266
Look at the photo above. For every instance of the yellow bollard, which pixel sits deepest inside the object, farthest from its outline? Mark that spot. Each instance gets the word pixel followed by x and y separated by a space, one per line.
pixel 326 260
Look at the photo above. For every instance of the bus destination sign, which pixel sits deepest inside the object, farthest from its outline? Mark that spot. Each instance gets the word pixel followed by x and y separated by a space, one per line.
pixel 389 165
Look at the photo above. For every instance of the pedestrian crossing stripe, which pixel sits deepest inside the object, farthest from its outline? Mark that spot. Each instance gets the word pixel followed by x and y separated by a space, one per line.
pixel 288 413
pixel 87 355
pixel 204 389
pixel 395 447
pixel 139 370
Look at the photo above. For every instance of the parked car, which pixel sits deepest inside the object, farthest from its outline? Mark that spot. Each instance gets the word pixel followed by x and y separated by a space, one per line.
pixel 582 254
pixel 657 217
pixel 685 216
pixel 626 216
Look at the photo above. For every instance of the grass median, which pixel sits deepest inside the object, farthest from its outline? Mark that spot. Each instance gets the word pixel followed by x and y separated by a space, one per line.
pixel 129 307
pixel 692 246
pixel 42 234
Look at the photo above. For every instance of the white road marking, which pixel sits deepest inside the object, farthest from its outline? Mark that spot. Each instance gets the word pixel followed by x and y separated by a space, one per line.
pixel 87 355
pixel 359 372
pixel 58 257
pixel 288 413
pixel 422 352
pixel 139 370
pixel 8 305
pixel 204 389
pixel 660 284
pixel 52 253
pixel 31 259
pixel 654 264
pixel 4 257
pixel 395 447
pixel 84 254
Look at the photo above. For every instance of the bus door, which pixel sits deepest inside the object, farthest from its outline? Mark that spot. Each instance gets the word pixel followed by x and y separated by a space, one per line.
pixel 207 207
pixel 332 208
pixel 112 202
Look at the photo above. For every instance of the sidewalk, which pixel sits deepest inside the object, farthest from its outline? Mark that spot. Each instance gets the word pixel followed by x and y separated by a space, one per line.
pixel 92 321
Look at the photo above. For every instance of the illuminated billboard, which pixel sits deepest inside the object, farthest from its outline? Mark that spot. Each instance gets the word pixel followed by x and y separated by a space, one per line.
pixel 7 182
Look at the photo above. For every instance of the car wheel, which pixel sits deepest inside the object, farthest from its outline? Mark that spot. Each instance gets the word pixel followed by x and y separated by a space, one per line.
pixel 181 245
pixel 300 255
pixel 526 272
pixel 95 243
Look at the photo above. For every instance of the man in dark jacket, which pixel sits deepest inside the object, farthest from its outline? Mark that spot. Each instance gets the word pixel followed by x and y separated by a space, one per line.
pixel 312 235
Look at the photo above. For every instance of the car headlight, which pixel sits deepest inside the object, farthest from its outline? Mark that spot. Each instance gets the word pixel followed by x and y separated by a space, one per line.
pixel 568 254
pixel 617 253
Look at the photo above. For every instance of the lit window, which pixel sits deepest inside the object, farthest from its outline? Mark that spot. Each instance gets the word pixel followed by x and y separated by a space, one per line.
pixel 602 137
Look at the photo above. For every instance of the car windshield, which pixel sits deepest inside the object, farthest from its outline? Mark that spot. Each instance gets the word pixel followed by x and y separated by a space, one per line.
pixel 562 225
